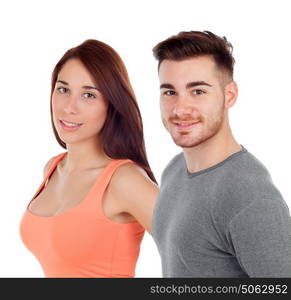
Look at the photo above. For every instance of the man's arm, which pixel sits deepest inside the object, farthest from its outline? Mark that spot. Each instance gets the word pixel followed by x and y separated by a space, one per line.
pixel 261 237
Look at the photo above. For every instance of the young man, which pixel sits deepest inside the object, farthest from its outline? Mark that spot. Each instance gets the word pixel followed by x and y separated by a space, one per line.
pixel 218 213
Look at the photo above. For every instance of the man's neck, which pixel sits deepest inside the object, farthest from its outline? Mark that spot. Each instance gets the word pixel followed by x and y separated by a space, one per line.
pixel 210 152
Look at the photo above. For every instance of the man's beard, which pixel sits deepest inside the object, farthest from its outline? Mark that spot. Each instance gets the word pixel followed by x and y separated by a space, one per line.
pixel 205 131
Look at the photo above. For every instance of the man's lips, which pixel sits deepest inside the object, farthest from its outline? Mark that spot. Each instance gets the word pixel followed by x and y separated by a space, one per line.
pixel 185 125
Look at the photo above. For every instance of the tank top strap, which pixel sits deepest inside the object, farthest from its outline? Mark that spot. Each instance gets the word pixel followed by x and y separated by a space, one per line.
pixel 104 181
pixel 111 169
pixel 53 164
pixel 49 171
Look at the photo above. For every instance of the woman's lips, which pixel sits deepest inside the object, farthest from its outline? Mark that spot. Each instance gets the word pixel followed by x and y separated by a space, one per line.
pixel 70 126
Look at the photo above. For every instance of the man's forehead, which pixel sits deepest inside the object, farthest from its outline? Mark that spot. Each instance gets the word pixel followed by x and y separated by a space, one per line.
pixel 196 61
pixel 183 72
pixel 194 69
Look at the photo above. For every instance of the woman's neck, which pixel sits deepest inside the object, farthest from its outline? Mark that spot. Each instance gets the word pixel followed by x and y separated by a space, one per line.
pixel 82 156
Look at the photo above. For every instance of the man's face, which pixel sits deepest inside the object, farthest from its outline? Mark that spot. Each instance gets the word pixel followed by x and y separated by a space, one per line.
pixel 192 100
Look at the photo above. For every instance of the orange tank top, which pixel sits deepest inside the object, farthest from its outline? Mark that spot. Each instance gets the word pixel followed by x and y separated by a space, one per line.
pixel 82 241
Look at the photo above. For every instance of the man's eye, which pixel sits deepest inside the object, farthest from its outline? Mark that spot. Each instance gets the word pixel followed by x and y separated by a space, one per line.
pixel 62 90
pixel 89 95
pixel 198 92
pixel 169 93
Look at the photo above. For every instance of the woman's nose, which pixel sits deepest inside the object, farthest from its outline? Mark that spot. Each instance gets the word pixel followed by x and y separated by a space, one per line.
pixel 71 106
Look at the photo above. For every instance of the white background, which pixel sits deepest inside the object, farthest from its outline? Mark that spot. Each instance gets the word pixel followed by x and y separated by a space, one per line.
pixel 35 34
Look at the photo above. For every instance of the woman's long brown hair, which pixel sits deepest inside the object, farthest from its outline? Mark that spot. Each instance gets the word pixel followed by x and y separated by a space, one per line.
pixel 122 134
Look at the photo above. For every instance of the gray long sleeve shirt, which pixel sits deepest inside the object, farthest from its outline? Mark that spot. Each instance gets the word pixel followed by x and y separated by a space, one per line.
pixel 225 221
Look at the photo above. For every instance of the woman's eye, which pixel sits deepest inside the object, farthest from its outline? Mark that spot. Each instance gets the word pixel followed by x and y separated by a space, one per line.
pixel 169 93
pixel 62 90
pixel 89 95
pixel 198 92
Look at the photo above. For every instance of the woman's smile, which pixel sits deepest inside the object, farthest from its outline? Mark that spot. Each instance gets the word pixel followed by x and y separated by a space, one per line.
pixel 68 126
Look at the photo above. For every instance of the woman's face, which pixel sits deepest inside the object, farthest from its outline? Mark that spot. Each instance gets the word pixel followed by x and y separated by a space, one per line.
pixel 79 109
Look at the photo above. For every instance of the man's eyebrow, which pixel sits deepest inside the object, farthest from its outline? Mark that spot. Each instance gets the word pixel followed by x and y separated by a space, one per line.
pixel 188 85
pixel 196 83
pixel 87 87
pixel 166 86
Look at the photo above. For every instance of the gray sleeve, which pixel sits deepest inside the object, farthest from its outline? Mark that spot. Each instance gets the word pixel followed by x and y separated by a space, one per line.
pixel 261 238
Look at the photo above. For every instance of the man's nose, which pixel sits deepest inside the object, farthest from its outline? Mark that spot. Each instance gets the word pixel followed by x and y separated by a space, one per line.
pixel 183 106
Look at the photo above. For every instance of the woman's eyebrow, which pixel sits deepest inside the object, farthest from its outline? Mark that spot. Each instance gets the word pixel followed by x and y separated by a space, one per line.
pixel 63 82
pixel 87 87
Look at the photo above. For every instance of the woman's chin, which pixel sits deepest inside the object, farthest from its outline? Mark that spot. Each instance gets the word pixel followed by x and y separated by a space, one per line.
pixel 71 140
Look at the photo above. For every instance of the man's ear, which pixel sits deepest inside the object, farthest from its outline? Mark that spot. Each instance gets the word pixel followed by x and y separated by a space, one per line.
pixel 230 93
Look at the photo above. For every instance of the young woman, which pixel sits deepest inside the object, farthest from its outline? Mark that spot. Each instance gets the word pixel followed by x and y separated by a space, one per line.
pixel 87 218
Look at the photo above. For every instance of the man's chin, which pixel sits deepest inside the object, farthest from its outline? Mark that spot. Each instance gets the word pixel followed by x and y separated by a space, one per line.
pixel 186 144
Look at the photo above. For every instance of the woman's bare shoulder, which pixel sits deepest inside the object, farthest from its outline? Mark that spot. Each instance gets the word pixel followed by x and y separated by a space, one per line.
pixel 131 173
pixel 47 165
pixel 131 183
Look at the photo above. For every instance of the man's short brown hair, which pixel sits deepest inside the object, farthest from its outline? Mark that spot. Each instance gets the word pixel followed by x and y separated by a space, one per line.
pixel 196 43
